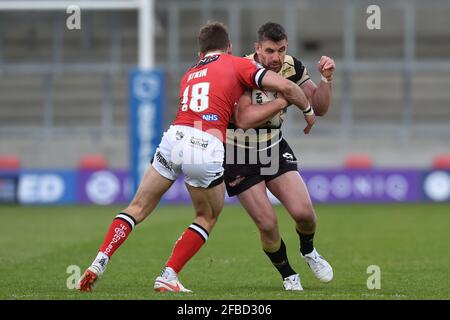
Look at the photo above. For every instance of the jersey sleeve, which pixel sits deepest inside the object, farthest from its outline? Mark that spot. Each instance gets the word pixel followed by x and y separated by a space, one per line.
pixel 250 73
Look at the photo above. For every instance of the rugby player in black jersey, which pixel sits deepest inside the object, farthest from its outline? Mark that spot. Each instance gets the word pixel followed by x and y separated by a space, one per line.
pixel 247 180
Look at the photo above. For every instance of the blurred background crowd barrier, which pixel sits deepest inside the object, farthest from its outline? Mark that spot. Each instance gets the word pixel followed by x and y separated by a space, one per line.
pixel 65 98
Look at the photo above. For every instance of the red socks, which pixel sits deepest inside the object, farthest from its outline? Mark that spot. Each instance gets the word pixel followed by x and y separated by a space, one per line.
pixel 187 246
pixel 118 232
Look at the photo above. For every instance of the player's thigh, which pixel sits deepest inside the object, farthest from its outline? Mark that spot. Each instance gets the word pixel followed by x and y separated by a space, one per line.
pixel 153 184
pixel 166 159
pixel 151 188
pixel 258 206
pixel 292 192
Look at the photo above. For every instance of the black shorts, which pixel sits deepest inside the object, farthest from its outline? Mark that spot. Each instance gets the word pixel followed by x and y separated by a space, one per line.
pixel 240 177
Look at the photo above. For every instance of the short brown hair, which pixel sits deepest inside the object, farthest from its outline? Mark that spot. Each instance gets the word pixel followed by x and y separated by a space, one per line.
pixel 271 31
pixel 213 36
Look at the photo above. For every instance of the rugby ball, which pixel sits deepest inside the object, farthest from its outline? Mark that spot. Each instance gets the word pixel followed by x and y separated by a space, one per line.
pixel 261 97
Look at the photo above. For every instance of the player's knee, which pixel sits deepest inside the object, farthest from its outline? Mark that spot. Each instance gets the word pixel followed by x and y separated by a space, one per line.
pixel 305 214
pixel 267 224
pixel 307 223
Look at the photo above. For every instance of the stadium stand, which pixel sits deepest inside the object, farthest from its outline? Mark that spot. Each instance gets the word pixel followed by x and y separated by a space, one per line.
pixel 70 95
pixel 441 161
pixel 9 162
pixel 358 161
pixel 93 162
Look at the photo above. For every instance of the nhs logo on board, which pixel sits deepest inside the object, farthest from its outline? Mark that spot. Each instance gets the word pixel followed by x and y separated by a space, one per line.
pixel 210 117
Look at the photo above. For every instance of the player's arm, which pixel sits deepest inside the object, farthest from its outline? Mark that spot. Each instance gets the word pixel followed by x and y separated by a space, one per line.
pixel 248 115
pixel 269 80
pixel 320 96
pixel 292 92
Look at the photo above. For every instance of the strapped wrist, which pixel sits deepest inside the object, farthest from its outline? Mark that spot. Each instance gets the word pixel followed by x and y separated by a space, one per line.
pixel 308 111
pixel 326 80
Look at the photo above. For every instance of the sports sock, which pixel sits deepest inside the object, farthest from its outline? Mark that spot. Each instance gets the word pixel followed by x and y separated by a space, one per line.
pixel 187 246
pixel 306 242
pixel 100 262
pixel 279 259
pixel 168 273
pixel 118 231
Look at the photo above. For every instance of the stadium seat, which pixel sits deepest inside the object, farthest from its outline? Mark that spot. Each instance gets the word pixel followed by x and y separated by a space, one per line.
pixel 9 162
pixel 93 162
pixel 441 161
pixel 358 161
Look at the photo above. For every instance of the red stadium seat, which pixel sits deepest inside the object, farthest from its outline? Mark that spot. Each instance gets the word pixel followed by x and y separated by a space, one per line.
pixel 441 161
pixel 358 161
pixel 9 162
pixel 93 162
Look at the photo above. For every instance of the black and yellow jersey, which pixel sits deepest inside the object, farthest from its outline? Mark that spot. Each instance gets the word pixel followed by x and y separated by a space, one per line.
pixel 292 69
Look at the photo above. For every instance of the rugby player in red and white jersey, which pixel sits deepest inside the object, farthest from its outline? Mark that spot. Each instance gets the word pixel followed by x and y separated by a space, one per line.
pixel 193 145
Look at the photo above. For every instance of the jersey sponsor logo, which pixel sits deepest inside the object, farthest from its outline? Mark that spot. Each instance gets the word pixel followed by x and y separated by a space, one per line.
pixel 289 157
pixel 206 60
pixel 210 117
pixel 197 142
pixel 179 135
pixel 236 181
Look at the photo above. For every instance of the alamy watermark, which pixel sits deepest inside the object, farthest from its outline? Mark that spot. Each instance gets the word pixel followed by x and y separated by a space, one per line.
pixel 74 272
pixel 73 21
pixel 241 147
pixel 373 22
pixel 374 280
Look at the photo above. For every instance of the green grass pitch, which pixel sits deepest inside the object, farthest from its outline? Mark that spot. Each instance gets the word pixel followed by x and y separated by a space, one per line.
pixel 410 244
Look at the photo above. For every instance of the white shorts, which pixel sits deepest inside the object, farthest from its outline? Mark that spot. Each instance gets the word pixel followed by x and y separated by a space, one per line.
pixel 198 154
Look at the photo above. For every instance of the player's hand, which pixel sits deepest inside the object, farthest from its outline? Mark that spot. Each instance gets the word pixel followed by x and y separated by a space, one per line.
pixel 326 67
pixel 310 120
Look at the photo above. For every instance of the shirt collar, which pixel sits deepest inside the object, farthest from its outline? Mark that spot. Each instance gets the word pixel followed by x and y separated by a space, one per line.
pixel 213 53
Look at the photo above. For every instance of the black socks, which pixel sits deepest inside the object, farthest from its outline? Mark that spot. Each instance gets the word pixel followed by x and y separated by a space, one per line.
pixel 306 242
pixel 280 261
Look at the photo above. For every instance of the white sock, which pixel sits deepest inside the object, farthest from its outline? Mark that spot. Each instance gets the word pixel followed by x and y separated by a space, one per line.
pixel 100 262
pixel 168 273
